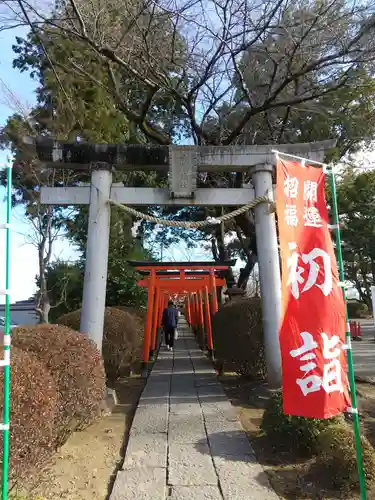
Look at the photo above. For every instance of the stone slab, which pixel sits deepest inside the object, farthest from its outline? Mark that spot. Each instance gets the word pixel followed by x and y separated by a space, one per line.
pixel 202 366
pixel 243 479
pixel 224 424
pixel 186 428
pixel 151 419
pixel 160 391
pixel 205 380
pixel 156 390
pixel 183 391
pixel 182 363
pixel 188 466
pixel 225 444
pixel 218 411
pixel 153 401
pixel 190 407
pixel 140 483
pixel 227 437
pixel 186 399
pixel 213 389
pixel 195 493
pixel 146 450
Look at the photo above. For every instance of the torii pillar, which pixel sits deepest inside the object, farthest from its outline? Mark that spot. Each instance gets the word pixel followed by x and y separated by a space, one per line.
pixel 95 280
pixel 269 271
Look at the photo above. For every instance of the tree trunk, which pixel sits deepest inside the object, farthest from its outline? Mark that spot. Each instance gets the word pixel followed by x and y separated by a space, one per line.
pixel 363 289
pixel 219 252
pixel 223 254
pixel 220 245
pixel 367 293
pixel 247 226
pixel 214 249
pixel 44 256
pixel 44 305
pixel 246 271
pixel 373 270
pixel 367 300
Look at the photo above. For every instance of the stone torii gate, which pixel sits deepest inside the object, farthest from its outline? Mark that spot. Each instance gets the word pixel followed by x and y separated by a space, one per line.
pixel 182 163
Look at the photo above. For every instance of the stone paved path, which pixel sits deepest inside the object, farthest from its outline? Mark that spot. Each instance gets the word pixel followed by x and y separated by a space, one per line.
pixel 186 442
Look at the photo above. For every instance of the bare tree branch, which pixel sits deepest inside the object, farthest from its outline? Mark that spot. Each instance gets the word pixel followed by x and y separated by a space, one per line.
pixel 214 58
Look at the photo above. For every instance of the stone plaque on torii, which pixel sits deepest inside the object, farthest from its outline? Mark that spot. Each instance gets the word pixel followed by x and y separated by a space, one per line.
pixel 183 163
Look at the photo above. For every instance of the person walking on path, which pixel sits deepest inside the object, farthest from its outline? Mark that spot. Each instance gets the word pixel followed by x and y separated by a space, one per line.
pixel 170 322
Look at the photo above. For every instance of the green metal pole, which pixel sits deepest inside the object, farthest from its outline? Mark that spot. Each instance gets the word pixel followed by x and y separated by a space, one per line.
pixel 5 464
pixel 357 433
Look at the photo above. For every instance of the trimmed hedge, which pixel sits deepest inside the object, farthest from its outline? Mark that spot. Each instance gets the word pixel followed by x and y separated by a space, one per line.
pixel 336 453
pixel 33 412
pixel 77 369
pixel 238 337
pixel 287 432
pixel 357 310
pixel 138 313
pixel 122 340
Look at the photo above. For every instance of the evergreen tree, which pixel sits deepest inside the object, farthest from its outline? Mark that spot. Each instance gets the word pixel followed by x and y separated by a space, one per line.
pixel 95 119
pixel 286 72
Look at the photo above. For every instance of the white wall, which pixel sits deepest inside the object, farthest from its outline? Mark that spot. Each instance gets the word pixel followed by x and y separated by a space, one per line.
pixel 21 316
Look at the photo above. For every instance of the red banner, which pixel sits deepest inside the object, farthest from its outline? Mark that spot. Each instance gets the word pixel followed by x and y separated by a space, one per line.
pixel 312 332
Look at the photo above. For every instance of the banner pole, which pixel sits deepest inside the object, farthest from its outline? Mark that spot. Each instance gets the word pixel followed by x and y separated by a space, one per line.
pixel 6 414
pixel 373 302
pixel 357 433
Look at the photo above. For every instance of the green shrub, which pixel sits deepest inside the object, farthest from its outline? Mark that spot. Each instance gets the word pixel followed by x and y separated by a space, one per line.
pixel 336 447
pixel 122 340
pixel 287 432
pixel 33 412
pixel 238 337
pixel 77 368
pixel 357 310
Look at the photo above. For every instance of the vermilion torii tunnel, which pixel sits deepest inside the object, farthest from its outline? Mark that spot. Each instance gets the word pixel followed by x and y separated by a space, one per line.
pixel 195 282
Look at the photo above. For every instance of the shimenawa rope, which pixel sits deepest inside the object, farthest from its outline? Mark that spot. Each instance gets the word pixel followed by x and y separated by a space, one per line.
pixel 210 221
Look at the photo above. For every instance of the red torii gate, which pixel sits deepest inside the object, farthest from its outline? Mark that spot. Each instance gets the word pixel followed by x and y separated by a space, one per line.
pixel 194 287
pixel 196 281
